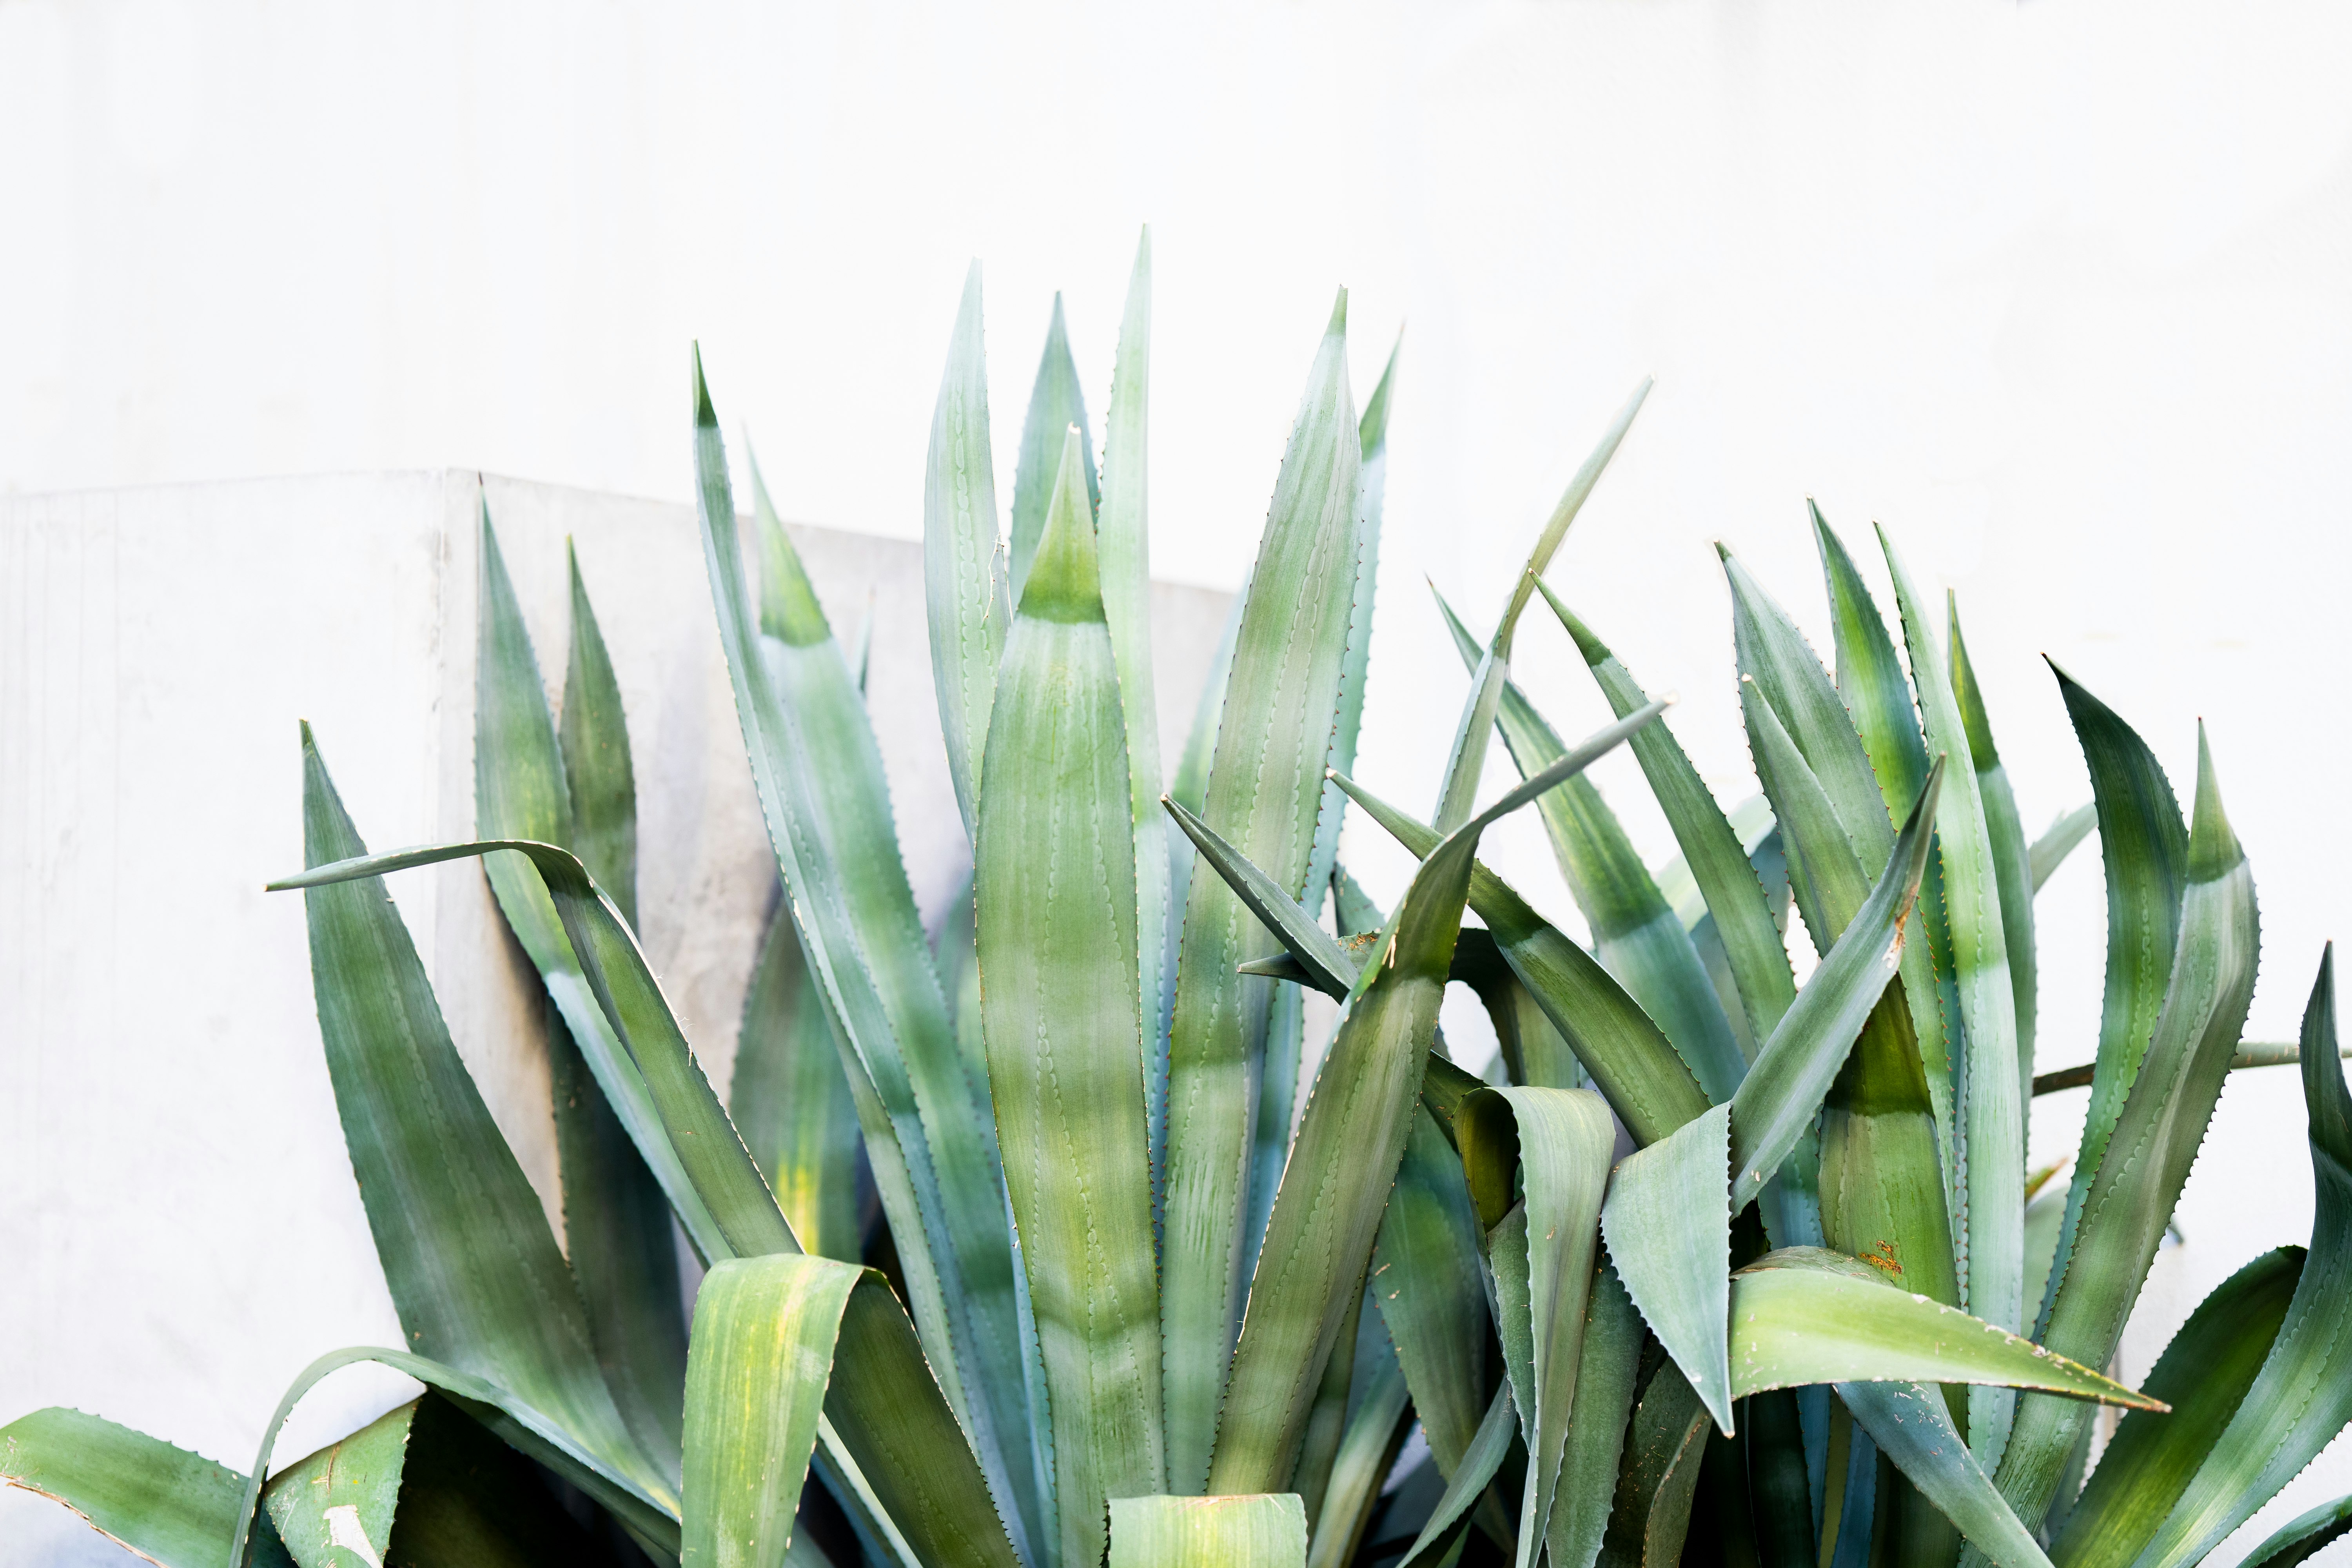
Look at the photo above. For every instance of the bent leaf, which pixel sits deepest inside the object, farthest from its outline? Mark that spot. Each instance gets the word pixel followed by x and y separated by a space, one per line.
pixel 765 1331
pixel 889 1421
pixel 526 786
pixel 473 1269
pixel 1264 1531
pixel 1559 1142
pixel 1669 1234
pixel 173 1506
pixel 1806 1315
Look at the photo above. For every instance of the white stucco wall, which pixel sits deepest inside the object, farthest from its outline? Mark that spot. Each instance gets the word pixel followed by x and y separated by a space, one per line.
pixel 2056 289
pixel 181 1230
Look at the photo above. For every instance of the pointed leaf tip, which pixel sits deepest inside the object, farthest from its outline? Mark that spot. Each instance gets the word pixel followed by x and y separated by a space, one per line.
pixel 2214 848
pixel 704 415
pixel 1339 327
pixel 1065 579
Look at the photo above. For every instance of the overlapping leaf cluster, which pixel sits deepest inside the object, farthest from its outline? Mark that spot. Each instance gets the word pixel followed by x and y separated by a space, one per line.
pixel 1049 1238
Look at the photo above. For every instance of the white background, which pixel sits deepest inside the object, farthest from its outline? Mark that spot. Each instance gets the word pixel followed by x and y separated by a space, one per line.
pixel 2061 292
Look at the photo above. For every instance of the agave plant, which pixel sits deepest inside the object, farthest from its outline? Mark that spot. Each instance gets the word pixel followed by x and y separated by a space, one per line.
pixel 1031 1241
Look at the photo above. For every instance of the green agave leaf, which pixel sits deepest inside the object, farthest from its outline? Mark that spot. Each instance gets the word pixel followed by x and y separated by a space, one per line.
pixel 1797 1065
pixel 1882 1184
pixel 1322 960
pixel 168 1505
pixel 1876 691
pixel 1733 913
pixel 1264 1531
pixel 1669 1235
pixel 1571 502
pixel 1124 546
pixel 791 1100
pixel 594 738
pixel 1327 1419
pixel 963 561
pixel 1057 405
pixel 1372 438
pixel 2146 849
pixel 821 790
pixel 1911 1427
pixel 1368 1451
pixel 1992 1256
pixel 2249 1054
pixel 890 1427
pixel 1534 1054
pixel 1189 789
pixel 1631 1062
pixel 522 790
pixel 2154 1140
pixel 2059 840
pixel 1264 786
pixel 1556 1142
pixel 2203 1374
pixel 345 1496
pixel 1713 852
pixel 1635 933
pixel 1807 1315
pixel 2303 1397
pixel 1063 1024
pixel 1609 1363
pixel 764 1335
pixel 847 878
pixel 1848 1484
pixel 1780 1489
pixel 1425 1277
pixel 616 1215
pixel 2011 857
pixel 617 1232
pixel 1790 677
pixel 1470 1479
pixel 1664 1446
pixel 473 1269
pixel 651 1521
pixel 2303 1537
pixel 1344 1160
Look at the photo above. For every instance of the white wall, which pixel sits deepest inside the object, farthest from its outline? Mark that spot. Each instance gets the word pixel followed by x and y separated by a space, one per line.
pixel 2057 290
